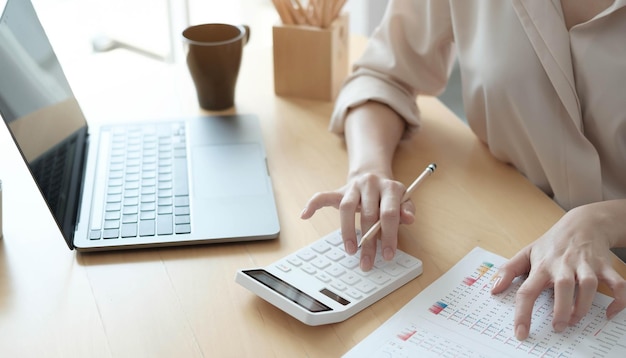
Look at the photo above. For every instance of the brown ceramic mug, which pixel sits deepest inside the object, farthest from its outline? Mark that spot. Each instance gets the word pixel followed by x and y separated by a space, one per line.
pixel 213 53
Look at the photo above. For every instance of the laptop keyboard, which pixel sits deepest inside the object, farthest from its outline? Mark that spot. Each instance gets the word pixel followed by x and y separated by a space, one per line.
pixel 147 192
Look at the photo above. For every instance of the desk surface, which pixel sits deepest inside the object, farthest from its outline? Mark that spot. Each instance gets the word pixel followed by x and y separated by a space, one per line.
pixel 183 301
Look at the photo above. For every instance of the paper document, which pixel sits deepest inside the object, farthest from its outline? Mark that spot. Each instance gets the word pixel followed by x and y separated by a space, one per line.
pixel 457 316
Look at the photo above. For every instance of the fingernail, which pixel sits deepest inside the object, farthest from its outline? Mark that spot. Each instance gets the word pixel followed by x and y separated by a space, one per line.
pixel 609 316
pixel 520 332
pixel 350 247
pixel 560 327
pixel 302 212
pixel 365 263
pixel 496 281
pixel 388 254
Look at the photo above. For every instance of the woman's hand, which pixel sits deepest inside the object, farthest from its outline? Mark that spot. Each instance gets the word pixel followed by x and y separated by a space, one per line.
pixel 372 133
pixel 573 257
pixel 374 196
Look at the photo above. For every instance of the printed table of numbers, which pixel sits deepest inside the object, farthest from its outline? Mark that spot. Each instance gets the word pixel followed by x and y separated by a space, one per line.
pixel 457 316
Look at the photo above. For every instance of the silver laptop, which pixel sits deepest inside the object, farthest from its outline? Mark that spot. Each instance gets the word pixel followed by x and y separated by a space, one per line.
pixel 186 181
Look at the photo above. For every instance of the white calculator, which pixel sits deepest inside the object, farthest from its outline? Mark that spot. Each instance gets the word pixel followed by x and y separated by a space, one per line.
pixel 322 284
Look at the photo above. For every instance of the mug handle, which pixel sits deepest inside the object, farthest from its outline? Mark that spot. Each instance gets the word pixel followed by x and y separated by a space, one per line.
pixel 247 33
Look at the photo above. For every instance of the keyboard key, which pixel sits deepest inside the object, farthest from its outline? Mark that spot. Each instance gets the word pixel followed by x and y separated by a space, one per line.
pixel 182 219
pixel 129 230
pixel 129 218
pixel 181 210
pixel 165 210
pixel 164 225
pixel 111 224
pixel 168 201
pixel 110 234
pixel 112 215
pixel 147 228
pixel 183 228
pixel 147 215
pixel 131 201
pixel 181 201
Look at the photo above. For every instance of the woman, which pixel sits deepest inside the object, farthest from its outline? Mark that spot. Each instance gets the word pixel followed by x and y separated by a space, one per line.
pixel 543 89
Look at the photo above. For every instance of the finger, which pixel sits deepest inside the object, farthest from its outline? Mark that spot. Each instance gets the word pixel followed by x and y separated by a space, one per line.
pixel 320 200
pixel 617 284
pixel 518 265
pixel 587 286
pixel 407 212
pixel 368 253
pixel 390 202
pixel 564 286
pixel 525 300
pixel 370 206
pixel 370 202
pixel 347 212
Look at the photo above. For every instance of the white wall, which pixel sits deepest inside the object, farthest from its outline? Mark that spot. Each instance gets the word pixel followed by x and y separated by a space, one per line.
pixel 365 15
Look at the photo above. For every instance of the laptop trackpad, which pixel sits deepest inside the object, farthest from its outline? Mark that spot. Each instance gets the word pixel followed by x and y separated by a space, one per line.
pixel 228 170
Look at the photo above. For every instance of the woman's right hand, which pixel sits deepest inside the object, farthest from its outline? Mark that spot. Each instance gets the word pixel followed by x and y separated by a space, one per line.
pixel 372 132
pixel 374 196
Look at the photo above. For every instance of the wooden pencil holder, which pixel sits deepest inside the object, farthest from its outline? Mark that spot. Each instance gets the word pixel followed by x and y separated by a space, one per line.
pixel 310 62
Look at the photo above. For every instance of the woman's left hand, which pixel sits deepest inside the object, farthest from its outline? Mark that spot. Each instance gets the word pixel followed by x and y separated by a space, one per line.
pixel 573 257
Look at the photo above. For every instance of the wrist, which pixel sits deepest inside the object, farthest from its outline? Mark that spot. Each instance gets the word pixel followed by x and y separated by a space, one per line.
pixel 370 169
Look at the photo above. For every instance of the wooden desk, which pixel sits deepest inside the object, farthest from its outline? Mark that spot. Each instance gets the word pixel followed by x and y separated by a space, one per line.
pixel 183 302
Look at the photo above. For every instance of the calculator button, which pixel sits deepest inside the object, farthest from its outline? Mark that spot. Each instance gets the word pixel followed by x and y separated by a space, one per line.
pixel 320 247
pixel 335 240
pixel 365 273
pixel 320 263
pixel 294 261
pixel 323 277
pixel 309 269
pixel 406 260
pixel 393 269
pixel 336 255
pixel 339 285
pixel 306 255
pixel 380 262
pixel 350 278
pixel 336 271
pixel 365 286
pixel 379 278
pixel 283 267
pixel 354 293
pixel 350 262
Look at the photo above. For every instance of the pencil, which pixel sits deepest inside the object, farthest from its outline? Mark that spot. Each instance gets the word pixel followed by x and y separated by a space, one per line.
pixel 407 194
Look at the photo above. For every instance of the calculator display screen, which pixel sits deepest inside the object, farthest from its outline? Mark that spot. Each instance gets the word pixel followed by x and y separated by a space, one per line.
pixel 288 291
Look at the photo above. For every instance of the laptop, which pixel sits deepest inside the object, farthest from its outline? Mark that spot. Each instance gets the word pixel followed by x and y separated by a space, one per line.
pixel 187 181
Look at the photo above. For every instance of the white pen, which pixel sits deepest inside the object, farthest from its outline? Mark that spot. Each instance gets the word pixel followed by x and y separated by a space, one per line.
pixel 407 194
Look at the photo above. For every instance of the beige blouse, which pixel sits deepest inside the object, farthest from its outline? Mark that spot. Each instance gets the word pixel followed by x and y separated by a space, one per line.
pixel 552 102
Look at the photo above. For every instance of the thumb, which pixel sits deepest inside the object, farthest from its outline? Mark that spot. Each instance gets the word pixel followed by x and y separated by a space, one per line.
pixel 516 266
pixel 407 212
pixel 320 200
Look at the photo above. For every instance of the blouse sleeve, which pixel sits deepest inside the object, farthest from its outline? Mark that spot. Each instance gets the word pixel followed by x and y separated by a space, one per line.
pixel 410 53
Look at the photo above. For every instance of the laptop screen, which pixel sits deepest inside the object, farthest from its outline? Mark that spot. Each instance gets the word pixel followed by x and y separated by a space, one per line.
pixel 41 112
